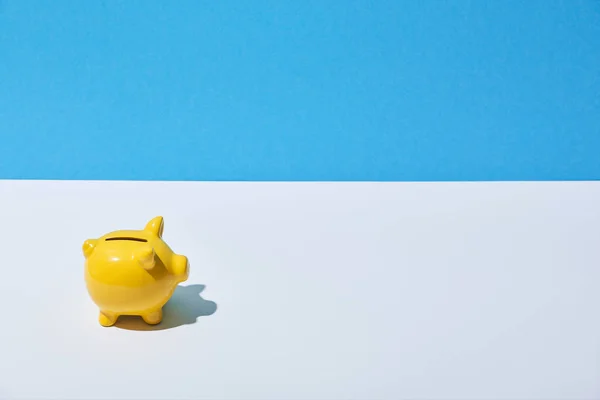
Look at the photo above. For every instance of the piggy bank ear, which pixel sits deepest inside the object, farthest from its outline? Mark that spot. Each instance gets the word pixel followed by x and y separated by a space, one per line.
pixel 88 247
pixel 155 226
pixel 146 257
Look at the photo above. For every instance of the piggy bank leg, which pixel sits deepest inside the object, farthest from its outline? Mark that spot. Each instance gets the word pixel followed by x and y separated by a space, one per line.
pixel 107 318
pixel 153 318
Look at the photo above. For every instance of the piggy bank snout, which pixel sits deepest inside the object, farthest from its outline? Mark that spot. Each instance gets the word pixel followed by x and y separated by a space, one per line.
pixel 181 265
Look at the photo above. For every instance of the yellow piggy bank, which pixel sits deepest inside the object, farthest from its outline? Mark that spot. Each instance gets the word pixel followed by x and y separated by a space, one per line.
pixel 132 272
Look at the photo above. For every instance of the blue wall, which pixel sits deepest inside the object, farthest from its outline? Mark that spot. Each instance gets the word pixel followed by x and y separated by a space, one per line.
pixel 300 90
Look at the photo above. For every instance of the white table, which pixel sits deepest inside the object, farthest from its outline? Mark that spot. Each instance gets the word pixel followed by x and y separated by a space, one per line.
pixel 311 291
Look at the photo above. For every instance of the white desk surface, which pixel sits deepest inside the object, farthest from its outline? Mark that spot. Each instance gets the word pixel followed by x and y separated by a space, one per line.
pixel 311 291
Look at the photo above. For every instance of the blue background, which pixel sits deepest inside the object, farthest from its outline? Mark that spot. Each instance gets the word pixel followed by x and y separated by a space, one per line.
pixel 300 90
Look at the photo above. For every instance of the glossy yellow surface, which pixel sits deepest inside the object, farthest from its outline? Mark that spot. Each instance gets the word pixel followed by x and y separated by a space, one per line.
pixel 132 272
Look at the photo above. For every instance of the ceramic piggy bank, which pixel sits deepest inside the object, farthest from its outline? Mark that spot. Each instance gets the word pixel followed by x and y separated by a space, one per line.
pixel 132 272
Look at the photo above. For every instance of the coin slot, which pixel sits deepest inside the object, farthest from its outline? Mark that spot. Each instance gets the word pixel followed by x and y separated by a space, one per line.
pixel 131 239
